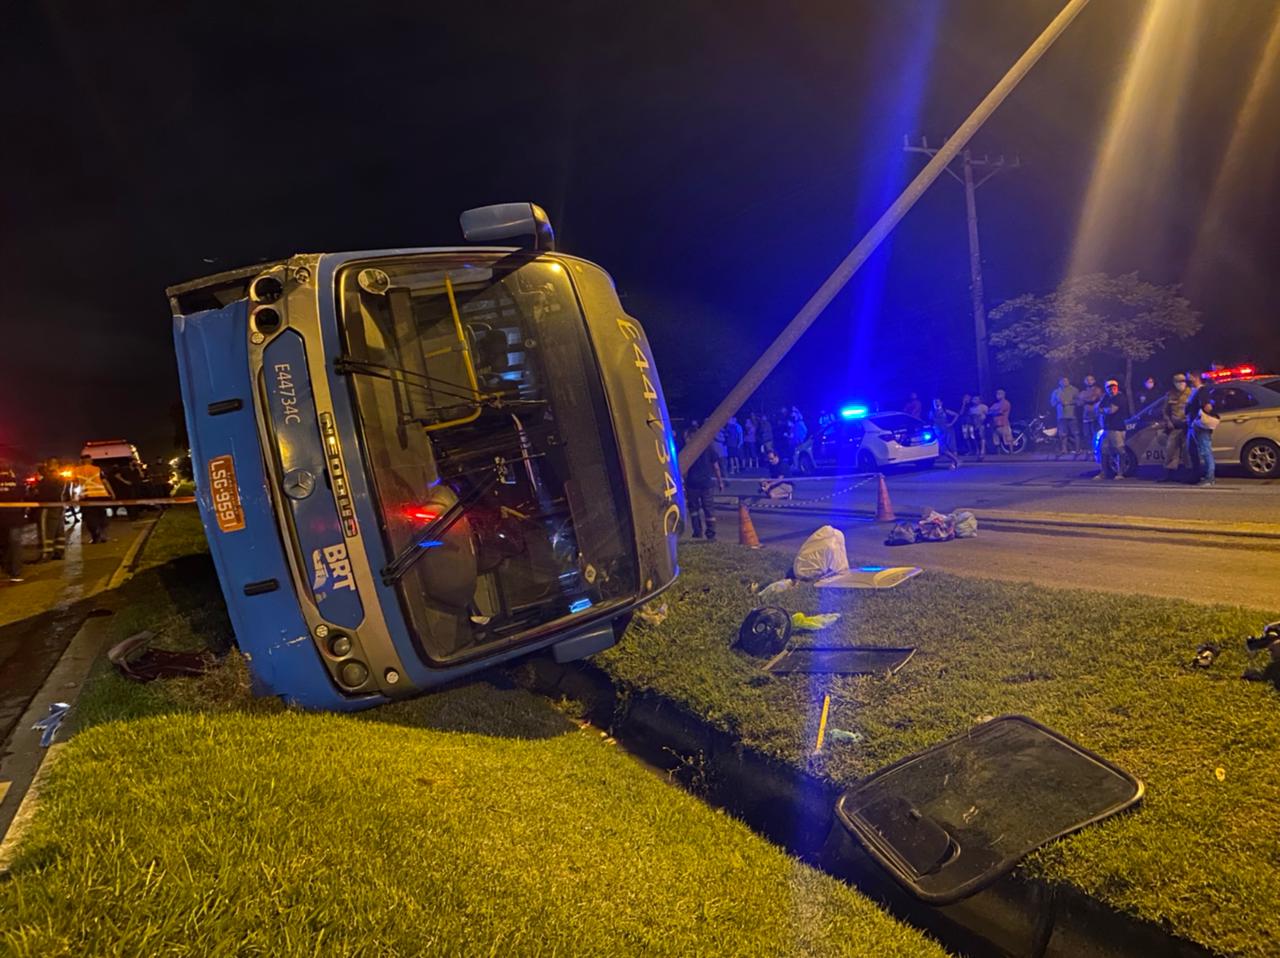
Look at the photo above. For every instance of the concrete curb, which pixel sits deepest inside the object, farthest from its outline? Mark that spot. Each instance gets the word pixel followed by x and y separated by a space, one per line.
pixel 1072 520
pixel 27 809
pixel 25 757
pixel 124 571
pixel 64 684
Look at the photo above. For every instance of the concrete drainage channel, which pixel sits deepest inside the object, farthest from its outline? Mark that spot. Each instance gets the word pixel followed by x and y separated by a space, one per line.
pixel 1015 917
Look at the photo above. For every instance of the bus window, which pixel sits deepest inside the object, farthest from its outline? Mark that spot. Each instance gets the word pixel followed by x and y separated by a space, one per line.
pixel 483 419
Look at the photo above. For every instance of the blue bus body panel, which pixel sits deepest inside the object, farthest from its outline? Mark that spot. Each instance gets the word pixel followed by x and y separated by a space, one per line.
pixel 213 366
pixel 316 522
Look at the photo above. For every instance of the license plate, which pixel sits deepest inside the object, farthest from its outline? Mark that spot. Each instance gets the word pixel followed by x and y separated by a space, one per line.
pixel 226 494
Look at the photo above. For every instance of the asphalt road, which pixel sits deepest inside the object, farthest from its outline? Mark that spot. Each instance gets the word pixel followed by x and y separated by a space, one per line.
pixel 1050 486
pixel 39 616
pixel 1196 566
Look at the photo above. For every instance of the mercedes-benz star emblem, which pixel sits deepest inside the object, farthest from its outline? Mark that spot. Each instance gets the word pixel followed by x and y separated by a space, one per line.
pixel 299 484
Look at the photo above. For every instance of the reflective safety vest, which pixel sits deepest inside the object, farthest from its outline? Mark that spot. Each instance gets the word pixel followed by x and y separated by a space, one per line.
pixel 91 484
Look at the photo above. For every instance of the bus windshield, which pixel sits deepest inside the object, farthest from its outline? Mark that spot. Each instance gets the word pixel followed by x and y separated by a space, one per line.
pixel 484 425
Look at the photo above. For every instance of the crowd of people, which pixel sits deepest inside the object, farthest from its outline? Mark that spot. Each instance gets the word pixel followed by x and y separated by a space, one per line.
pixel 747 443
pixel 1186 415
pixel 76 485
pixel 772 442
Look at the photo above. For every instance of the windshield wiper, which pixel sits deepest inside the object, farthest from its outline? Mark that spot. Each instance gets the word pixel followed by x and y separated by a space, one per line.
pixel 424 538
pixel 350 366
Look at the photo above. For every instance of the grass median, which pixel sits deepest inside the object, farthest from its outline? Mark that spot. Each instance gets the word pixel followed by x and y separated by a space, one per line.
pixel 1110 671
pixel 187 818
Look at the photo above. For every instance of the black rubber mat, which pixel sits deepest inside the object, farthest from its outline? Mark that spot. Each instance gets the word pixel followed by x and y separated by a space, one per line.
pixel 950 820
pixel 846 660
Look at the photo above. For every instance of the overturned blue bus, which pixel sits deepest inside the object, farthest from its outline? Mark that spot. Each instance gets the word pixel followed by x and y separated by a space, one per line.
pixel 414 463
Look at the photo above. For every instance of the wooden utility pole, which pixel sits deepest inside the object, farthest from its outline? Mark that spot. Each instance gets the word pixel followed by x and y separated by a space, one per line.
pixel 882 227
pixel 987 168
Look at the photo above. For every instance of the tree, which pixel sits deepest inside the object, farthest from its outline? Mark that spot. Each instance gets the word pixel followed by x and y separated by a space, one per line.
pixel 1119 316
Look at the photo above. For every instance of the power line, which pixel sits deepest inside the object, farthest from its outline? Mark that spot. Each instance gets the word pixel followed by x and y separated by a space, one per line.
pixel 987 168
pixel 754 376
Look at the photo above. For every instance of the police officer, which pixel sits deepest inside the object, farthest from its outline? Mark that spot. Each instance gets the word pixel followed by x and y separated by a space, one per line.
pixel 93 485
pixel 697 489
pixel 52 486
pixel 1174 420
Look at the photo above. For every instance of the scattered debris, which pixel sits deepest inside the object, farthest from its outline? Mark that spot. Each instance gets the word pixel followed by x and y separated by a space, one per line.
pixel 840 735
pixel 652 615
pixel 934 527
pixel 765 631
pixel 870 577
pixel 50 724
pixel 846 660
pixel 1205 656
pixel 813 623
pixel 822 554
pixel 139 663
pixel 782 585
pixel 1268 639
pixel 822 724
pixel 948 821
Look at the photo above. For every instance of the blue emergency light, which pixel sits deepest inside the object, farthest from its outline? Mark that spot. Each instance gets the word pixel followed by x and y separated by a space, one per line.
pixel 853 412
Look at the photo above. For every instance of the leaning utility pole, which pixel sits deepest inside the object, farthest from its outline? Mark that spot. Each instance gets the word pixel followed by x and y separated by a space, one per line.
pixel 882 227
pixel 988 169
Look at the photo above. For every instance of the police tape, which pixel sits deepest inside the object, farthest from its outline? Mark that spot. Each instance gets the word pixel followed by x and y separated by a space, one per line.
pixel 762 500
pixel 100 503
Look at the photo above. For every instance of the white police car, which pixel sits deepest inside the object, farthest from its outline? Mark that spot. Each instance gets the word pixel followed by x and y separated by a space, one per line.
pixel 864 441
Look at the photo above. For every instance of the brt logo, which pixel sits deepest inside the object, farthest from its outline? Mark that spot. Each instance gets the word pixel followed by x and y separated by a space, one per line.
pixel 331 563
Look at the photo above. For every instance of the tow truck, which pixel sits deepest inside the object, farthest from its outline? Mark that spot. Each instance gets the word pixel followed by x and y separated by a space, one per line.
pixel 412 464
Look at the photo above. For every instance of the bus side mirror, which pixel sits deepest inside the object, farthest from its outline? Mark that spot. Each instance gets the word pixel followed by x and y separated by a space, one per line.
pixel 525 221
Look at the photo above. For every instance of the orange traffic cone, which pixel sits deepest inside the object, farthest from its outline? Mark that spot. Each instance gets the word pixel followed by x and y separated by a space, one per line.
pixel 884 508
pixel 746 528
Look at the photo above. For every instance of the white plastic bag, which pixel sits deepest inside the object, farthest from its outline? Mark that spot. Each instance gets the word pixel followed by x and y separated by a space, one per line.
pixel 822 554
pixel 966 524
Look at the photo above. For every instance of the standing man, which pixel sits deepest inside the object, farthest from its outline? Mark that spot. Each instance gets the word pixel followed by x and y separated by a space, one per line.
pixel 765 432
pixel 978 424
pixel 93 485
pixel 1088 398
pixel 1199 395
pixel 1174 420
pixel 697 488
pixel 913 406
pixel 1202 428
pixel 733 439
pixel 1148 394
pixel 750 445
pixel 799 437
pixel 1063 401
pixel 51 521
pixel 1113 410
pixel 944 420
pixel 11 522
pixel 1001 429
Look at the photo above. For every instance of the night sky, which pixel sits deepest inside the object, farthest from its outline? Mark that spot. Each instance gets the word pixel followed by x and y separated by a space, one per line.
pixel 718 159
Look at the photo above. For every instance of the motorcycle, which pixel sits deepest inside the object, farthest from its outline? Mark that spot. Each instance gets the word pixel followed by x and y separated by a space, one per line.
pixel 1034 433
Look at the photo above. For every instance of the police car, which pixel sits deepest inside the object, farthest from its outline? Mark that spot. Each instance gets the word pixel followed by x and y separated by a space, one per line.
pixel 864 441
pixel 1248 404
